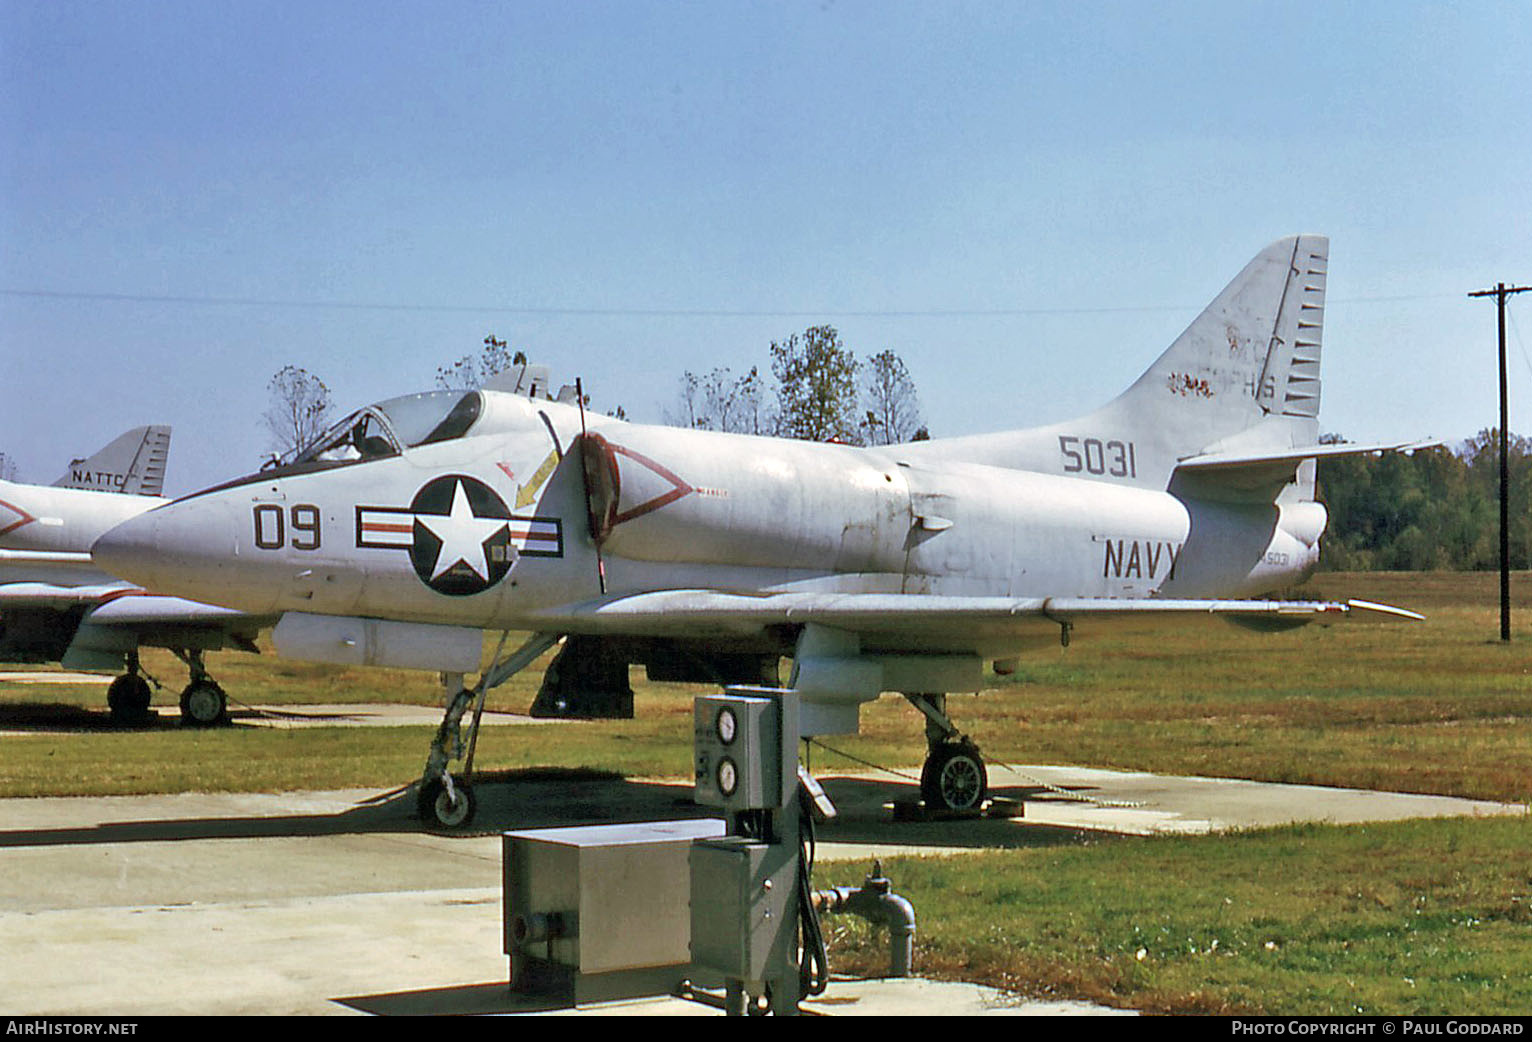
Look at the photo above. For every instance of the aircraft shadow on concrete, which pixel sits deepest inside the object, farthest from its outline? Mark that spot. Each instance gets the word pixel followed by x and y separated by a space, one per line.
pixel 462 1000
pixel 554 797
pixel 46 717
pixel 492 997
pixel 61 717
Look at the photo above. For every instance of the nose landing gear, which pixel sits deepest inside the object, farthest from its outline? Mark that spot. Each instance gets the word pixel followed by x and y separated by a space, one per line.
pixel 445 801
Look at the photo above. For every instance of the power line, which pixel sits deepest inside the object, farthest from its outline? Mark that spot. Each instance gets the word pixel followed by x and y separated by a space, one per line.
pixel 593 312
pixel 1521 345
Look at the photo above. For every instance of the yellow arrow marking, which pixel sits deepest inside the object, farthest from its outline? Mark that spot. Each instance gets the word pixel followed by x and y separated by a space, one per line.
pixel 527 493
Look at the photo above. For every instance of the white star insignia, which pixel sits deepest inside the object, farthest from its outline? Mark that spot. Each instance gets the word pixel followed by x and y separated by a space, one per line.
pixel 463 535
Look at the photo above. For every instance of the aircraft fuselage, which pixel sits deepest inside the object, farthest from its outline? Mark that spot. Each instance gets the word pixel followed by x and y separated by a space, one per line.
pixel 490 530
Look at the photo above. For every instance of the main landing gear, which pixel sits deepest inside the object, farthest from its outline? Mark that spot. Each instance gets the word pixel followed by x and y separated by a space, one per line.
pixel 128 696
pixel 203 702
pixel 953 778
pixel 445 800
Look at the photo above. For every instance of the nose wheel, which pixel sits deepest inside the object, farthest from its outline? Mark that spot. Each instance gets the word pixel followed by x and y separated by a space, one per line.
pixel 446 803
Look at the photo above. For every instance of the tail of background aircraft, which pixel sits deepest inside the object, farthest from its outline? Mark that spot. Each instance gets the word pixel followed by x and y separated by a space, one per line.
pixel 133 463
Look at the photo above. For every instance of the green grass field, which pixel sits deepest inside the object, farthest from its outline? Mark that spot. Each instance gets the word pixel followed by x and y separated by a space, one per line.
pixel 1417 917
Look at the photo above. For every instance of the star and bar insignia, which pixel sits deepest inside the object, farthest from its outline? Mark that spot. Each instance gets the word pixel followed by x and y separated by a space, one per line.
pixel 461 537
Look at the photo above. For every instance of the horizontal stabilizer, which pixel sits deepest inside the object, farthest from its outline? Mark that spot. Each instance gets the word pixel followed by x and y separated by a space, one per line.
pixel 1260 474
pixel 1290 458
pixel 1386 609
pixel 15 596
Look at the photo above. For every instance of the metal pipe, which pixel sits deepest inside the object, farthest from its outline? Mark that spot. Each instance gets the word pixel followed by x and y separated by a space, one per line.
pixel 876 902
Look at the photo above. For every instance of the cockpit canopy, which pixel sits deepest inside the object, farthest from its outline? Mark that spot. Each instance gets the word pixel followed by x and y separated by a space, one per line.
pixel 388 428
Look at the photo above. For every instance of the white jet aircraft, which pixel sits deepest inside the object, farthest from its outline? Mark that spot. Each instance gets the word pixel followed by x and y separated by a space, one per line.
pixel 57 605
pixel 421 521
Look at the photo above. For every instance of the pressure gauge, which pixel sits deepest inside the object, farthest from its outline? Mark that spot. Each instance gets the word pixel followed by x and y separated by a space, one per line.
pixel 739 751
pixel 726 724
pixel 728 774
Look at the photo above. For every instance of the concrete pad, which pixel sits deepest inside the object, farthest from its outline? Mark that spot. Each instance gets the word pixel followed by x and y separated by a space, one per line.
pixel 1121 802
pixel 1139 803
pixel 337 903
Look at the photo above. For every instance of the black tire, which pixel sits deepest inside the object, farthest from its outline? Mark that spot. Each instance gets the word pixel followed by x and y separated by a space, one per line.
pixel 438 810
pixel 128 698
pixel 954 778
pixel 203 704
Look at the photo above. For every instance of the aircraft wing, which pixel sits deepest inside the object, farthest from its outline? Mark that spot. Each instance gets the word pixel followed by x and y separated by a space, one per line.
pixel 918 622
pixel 97 623
pixel 114 604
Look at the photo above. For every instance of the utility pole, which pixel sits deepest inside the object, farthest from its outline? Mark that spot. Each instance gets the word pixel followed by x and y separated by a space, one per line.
pixel 1500 292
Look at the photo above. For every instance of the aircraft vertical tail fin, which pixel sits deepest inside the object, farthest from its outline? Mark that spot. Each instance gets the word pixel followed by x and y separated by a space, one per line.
pixel 1253 353
pixel 1242 380
pixel 1289 383
pixel 1244 377
pixel 132 463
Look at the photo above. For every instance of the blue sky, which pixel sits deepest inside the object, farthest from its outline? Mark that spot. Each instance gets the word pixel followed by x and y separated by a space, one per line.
pixel 1026 201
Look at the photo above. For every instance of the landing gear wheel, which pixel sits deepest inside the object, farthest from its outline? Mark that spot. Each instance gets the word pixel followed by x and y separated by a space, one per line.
pixel 954 778
pixel 203 704
pixel 128 698
pixel 440 808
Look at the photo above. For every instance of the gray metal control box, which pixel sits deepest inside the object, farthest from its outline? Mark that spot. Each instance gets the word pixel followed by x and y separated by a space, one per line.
pixel 600 912
pixel 743 898
pixel 738 740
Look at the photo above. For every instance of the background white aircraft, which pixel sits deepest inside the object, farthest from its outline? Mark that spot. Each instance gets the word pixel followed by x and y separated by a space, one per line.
pixel 420 521
pixel 57 605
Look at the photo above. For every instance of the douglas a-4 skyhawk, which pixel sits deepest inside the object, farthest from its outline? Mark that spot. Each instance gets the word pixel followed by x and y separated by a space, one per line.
pixel 56 605
pixel 420 522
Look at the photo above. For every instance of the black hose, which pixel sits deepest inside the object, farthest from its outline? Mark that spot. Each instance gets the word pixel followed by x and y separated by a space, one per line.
pixel 814 960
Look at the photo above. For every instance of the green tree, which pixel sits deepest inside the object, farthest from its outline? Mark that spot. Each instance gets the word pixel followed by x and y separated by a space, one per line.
pixel 1483 457
pixel 816 387
pixel 1432 509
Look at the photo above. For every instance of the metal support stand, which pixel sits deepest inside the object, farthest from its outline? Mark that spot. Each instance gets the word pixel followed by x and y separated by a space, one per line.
pixel 746 886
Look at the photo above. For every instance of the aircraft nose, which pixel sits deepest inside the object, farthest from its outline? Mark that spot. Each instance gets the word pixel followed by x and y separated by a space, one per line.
pixel 131 551
pixel 189 548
